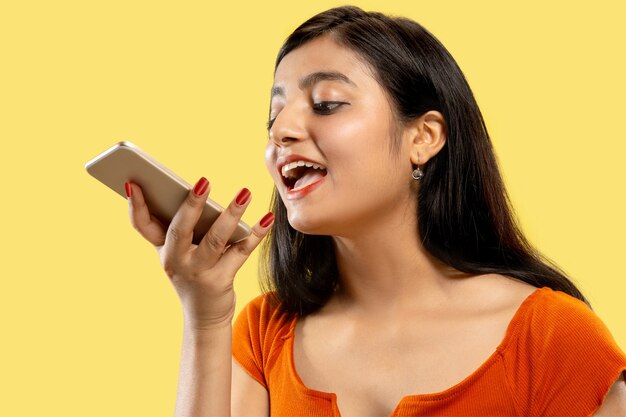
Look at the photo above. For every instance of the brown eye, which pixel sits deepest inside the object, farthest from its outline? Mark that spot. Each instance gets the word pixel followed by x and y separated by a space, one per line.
pixel 326 107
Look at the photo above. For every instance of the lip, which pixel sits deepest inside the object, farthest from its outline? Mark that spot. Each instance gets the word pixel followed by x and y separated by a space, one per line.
pixel 284 160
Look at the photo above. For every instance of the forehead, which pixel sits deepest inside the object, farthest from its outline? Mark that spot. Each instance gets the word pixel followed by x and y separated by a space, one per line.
pixel 323 55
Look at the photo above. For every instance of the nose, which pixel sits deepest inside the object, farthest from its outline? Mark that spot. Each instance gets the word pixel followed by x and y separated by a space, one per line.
pixel 289 126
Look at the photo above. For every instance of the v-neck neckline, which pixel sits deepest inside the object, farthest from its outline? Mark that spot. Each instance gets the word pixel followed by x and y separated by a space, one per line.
pixel 511 331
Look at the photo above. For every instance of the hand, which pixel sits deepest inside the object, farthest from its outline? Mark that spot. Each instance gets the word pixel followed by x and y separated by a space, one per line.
pixel 201 274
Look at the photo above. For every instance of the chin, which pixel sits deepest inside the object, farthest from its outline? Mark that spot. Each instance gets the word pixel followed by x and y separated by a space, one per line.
pixel 309 225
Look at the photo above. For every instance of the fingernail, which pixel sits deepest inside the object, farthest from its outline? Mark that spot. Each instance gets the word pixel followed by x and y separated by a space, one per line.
pixel 201 186
pixel 267 219
pixel 243 197
pixel 129 189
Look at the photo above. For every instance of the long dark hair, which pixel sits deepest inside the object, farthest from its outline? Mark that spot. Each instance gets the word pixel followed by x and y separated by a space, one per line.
pixel 465 217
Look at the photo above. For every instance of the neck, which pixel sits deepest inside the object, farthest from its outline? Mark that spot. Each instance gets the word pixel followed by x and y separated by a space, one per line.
pixel 384 268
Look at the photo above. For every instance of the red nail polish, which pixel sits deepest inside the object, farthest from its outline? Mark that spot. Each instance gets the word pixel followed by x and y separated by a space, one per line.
pixel 201 186
pixel 129 189
pixel 243 197
pixel 267 219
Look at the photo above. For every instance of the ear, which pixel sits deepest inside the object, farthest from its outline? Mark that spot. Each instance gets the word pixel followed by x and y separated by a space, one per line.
pixel 427 136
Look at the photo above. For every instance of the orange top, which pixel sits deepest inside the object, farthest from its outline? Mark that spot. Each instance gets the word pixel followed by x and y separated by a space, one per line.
pixel 557 358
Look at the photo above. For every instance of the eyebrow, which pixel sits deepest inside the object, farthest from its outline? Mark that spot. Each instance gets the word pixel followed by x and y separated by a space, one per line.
pixel 313 79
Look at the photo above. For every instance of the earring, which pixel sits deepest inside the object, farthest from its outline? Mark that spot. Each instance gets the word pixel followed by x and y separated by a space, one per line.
pixel 417 172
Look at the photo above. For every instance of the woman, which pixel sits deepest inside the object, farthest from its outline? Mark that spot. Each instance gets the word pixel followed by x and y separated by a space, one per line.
pixel 400 282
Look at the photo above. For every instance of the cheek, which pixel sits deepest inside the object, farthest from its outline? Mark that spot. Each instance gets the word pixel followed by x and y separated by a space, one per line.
pixel 358 148
pixel 270 159
pixel 366 173
pixel 349 131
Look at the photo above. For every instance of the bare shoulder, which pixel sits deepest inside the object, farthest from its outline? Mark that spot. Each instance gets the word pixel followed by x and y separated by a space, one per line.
pixel 496 292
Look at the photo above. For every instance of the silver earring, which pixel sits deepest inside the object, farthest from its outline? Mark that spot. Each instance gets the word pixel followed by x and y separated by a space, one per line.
pixel 417 172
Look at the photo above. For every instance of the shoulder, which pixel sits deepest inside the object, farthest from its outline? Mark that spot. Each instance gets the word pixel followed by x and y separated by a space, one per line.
pixel 261 323
pixel 551 331
pixel 259 333
pixel 496 296
pixel 263 314
pixel 558 302
pixel 266 307
pixel 556 314
pixel 549 319
pixel 532 308
pixel 561 358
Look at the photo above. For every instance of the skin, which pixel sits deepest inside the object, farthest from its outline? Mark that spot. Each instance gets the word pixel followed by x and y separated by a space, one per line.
pixel 367 204
pixel 202 276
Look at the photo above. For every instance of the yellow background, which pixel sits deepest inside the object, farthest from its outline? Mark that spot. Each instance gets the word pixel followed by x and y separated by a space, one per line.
pixel 90 324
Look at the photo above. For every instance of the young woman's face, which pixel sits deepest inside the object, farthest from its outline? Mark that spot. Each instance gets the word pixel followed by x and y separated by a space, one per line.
pixel 327 109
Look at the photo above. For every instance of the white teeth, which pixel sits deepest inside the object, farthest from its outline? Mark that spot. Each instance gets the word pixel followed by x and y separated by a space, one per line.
pixel 288 167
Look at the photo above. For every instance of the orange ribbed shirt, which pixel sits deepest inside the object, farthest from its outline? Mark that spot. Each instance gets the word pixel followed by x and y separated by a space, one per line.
pixel 557 358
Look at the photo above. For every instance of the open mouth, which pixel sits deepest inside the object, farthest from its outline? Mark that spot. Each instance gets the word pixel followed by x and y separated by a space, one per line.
pixel 299 174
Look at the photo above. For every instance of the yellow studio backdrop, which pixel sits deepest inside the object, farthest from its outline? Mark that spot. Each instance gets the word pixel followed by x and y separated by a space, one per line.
pixel 90 324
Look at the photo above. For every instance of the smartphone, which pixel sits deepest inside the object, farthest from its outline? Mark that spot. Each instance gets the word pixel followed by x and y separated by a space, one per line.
pixel 163 190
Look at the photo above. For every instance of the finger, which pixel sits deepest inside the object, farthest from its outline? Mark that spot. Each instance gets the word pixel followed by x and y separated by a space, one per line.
pixel 213 243
pixel 238 253
pixel 145 223
pixel 180 231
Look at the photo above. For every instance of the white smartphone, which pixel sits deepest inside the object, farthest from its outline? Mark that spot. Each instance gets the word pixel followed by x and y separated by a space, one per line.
pixel 163 190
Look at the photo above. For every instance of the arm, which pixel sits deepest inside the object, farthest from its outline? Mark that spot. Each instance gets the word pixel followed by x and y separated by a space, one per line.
pixel 205 368
pixel 614 404
pixel 249 398
pixel 202 276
